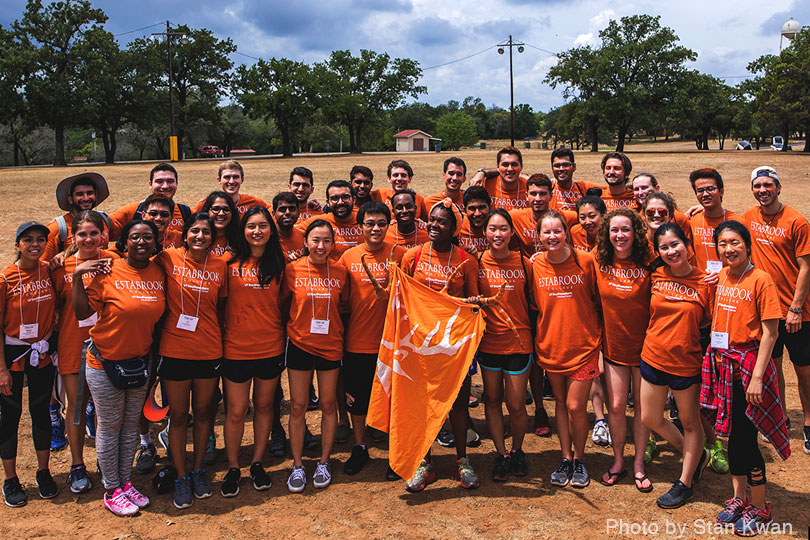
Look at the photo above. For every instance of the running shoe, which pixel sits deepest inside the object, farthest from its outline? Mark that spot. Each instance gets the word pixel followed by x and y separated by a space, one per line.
pixel 136 497
pixel 47 487
pixel 541 423
pixel 145 458
pixel 753 521
pixel 259 477
pixel 445 438
pixel 677 495
pixel 163 438
pixel 297 480
pixel 423 476
pixel 500 469
pixel 717 458
pixel 58 440
pixel 210 456
pixel 323 476
pixel 78 480
pixel 704 457
pixel 200 486
pixel 310 440
pixel 473 401
pixel 278 442
pixel 562 475
pixel 391 475
pixel 182 493
pixel 342 433
pixel 313 402
pixel 580 477
pixel 630 403
pixel 13 493
pixel 601 433
pixel 466 475
pixel 356 461
pixel 651 451
pixel 90 419
pixel 806 446
pixel 376 435
pixel 230 485
pixel 473 439
pixel 733 511
pixel 548 391
pixel 529 397
pixel 517 463
pixel 118 504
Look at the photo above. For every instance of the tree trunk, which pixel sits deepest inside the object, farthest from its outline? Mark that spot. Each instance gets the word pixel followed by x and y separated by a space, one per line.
pixel 621 136
pixel 59 140
pixel 785 139
pixel 807 140
pixel 159 147
pixel 110 145
pixel 286 143
pixel 180 136
pixel 17 148
pixel 594 125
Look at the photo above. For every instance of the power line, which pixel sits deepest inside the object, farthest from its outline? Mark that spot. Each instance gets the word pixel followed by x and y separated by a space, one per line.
pixel 139 29
pixel 460 59
pixel 539 49
pixel 246 55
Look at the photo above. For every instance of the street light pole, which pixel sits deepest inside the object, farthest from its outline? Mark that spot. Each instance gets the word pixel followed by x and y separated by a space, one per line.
pixel 173 146
pixel 520 49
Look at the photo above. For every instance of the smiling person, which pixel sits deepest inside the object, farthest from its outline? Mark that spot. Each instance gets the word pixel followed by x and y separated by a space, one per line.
pixel 230 178
pixel 616 169
pixel 477 204
pixel 255 274
pixel 342 218
pixel 362 180
pixel 28 308
pixel 781 247
pixel 315 287
pixel 658 208
pixel 504 183
pixel 539 193
pixel 405 231
pixel 708 187
pixel 159 211
pixel 225 217
pixel 645 183
pixel 454 174
pixel 191 348
pixel 302 185
pixel 567 191
pixel 128 296
pixel 400 176
pixel 590 212
pixel 285 215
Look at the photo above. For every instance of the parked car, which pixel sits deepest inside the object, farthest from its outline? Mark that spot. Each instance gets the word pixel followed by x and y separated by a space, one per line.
pixel 744 145
pixel 212 151
pixel 778 143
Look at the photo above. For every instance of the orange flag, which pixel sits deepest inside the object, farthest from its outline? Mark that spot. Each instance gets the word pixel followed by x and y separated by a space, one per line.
pixel 427 346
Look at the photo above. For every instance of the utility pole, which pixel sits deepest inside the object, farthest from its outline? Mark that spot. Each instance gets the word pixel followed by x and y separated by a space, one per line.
pixel 520 49
pixel 173 147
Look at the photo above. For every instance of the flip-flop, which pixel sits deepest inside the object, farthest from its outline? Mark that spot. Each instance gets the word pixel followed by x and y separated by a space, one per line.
pixel 613 477
pixel 640 480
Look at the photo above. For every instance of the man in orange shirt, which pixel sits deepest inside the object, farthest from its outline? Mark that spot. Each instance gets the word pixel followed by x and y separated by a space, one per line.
pixel 708 187
pixel 285 214
pixel 567 191
pixel 302 185
pixel 540 192
pixel 362 180
pixel 342 217
pixel 781 246
pixel 454 175
pixel 477 204
pixel 159 211
pixel 400 176
pixel 504 184
pixel 405 231
pixel 616 169
pixel 230 178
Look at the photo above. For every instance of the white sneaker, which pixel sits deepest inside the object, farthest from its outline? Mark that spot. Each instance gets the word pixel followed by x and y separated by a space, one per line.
pixel 323 476
pixel 119 504
pixel 297 480
pixel 601 434
pixel 136 497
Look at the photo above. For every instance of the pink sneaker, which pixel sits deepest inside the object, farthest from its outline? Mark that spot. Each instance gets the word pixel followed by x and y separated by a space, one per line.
pixel 119 505
pixel 135 497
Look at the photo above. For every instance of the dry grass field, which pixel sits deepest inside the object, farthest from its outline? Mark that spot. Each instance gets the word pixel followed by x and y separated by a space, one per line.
pixel 366 506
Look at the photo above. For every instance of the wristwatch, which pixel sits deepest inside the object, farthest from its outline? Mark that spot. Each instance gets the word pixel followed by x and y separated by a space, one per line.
pixel 794 310
pixel 481 170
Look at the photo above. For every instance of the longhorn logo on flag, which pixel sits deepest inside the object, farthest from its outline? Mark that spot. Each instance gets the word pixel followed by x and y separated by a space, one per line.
pixel 427 347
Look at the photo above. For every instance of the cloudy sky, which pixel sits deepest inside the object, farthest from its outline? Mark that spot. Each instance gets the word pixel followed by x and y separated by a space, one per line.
pixel 725 34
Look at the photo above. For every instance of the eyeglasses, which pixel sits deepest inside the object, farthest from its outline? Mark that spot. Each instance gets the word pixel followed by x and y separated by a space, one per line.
pixel 135 238
pixel 707 189
pixel 158 213
pixel 372 224
pixel 565 165
pixel 219 210
pixel 346 197
pixel 652 212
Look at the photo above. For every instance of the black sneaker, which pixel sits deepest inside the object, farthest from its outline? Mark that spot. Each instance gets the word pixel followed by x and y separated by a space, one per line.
pixel 230 485
pixel 313 402
pixel 145 458
pixel 278 442
pixel 529 397
pixel 517 463
pixel 259 477
pixel 356 461
pixel 47 487
pixel 445 438
pixel 310 441
pixel 13 493
pixel 580 477
pixel 698 474
pixel 806 446
pixel 376 435
pixel 391 476
pixel 78 480
pixel 548 392
pixel 677 495
pixel 500 470
pixel 562 475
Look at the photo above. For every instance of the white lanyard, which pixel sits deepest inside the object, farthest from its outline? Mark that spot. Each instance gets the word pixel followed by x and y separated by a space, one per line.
pixel 709 260
pixel 719 340
pixel 92 319
pixel 430 266
pixel 187 322
pixel 320 326
pixel 29 331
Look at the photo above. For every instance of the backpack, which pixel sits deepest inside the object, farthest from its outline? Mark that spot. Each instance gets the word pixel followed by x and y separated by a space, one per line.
pixel 63 228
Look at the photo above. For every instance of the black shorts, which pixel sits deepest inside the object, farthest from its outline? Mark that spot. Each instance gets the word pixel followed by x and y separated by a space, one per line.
pixel 240 371
pixel 705 338
pixel 358 376
pixel 797 344
pixel 300 360
pixel 179 369
pixel 662 378
pixel 511 364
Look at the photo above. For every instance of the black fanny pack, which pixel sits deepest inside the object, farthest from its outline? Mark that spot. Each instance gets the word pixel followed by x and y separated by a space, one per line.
pixel 123 374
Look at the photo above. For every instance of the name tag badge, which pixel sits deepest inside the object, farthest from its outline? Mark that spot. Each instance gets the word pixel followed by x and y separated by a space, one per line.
pixel 714 266
pixel 187 322
pixel 29 331
pixel 89 321
pixel 720 340
pixel 319 326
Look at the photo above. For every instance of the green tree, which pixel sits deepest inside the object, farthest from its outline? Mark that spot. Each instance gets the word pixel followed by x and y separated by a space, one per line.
pixel 701 105
pixel 456 129
pixel 526 124
pixel 355 90
pixel 12 81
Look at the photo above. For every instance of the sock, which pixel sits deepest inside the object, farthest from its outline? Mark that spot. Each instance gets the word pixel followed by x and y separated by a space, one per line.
pixel 363 446
pixel 146 440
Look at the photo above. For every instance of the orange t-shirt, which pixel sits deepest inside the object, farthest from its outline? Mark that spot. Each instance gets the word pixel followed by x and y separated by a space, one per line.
pixel 129 302
pixel 566 199
pixel 125 214
pixel 220 245
pixel 624 291
pixel 28 298
pixel 292 245
pixel 472 240
pixel 457 199
pixel 703 236
pixel 317 291
pixel 625 200
pixel 242 205
pixel 679 306
pixel 172 239
pixel 507 198
pixel 776 243
pixel 516 272
pixel 526 234
pixel 418 237
pixel 193 289
pixel 348 233
pixel 579 237
pixel 305 213
pixel 366 312
pixel 71 334
pixel 742 303
pixel 385 194
pixel 569 333
pixel 253 323
pixel 52 246
pixel 432 269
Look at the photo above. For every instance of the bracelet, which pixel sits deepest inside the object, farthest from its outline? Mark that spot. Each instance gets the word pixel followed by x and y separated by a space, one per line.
pixel 481 170
pixel 794 310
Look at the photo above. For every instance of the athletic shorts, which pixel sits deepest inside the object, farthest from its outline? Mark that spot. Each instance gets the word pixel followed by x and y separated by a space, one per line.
pixel 797 344
pixel 240 371
pixel 179 369
pixel 588 371
pixel 358 376
pixel 300 360
pixel 662 378
pixel 511 364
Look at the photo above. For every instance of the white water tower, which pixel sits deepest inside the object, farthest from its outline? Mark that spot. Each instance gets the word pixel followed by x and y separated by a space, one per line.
pixel 789 31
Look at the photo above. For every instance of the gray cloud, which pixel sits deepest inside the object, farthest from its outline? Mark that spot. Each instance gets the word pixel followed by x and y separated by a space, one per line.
pixel 799 10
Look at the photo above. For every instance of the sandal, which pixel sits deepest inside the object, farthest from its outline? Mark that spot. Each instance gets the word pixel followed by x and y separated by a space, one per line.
pixel 639 480
pixel 613 477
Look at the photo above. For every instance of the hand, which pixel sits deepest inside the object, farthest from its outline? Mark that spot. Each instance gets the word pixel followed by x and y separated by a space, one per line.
pixel 93 265
pixel 313 204
pixel 58 261
pixel 694 210
pixel 753 394
pixel 472 250
pixel 5 382
pixel 478 179
pixel 793 322
pixel 472 300
pixel 349 399
pixel 712 278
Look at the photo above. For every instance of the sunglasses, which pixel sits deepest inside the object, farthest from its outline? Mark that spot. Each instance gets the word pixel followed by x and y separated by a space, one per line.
pixel 652 212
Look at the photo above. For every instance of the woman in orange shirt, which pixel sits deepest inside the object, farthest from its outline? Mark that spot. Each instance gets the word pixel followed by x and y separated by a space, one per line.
pixel 569 336
pixel 191 347
pixel 506 348
pixel 128 295
pixel 316 287
pixel 590 212
pixel 623 280
pixel 255 274
pixel 671 357
pixel 223 211
pixel 28 307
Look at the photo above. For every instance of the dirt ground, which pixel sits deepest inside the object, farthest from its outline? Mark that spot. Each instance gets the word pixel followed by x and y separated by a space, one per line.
pixel 366 506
